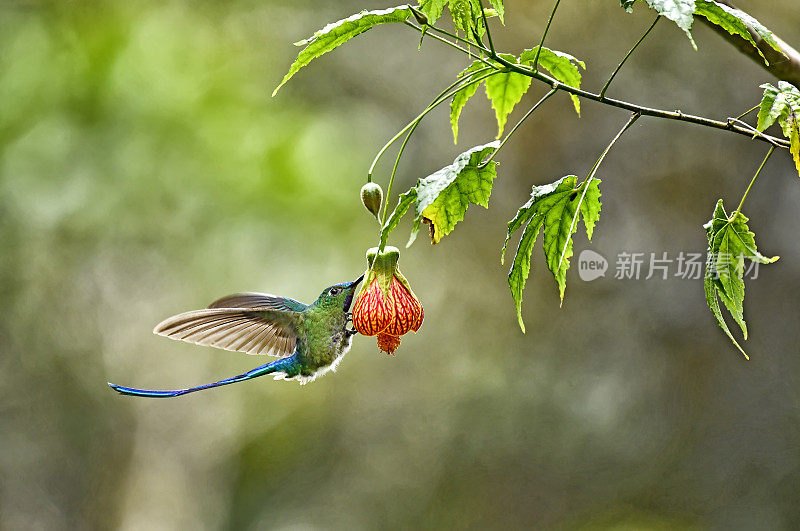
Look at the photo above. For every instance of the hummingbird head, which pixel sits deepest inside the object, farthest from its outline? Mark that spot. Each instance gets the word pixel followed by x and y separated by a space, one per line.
pixel 339 296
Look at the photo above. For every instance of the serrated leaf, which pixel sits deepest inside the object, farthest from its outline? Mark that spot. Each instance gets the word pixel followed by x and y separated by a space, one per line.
pixel 521 267
pixel 443 196
pixel 681 12
pixel 590 207
pixel 730 242
pixel 461 97
pixel 553 209
pixel 794 145
pixel 713 304
pixel 772 106
pixel 413 236
pixel 782 104
pixel 404 202
pixel 505 90
pixel 498 6
pixel 736 22
pixel 562 66
pixel 337 33
pixel 433 9
pixel 462 13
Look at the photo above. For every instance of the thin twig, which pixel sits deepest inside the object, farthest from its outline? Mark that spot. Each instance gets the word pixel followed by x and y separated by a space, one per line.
pixel 491 157
pixel 745 113
pixel 446 93
pixel 541 42
pixel 646 33
pixel 450 43
pixel 588 180
pixel 753 180
pixel 486 25
pixel 756 132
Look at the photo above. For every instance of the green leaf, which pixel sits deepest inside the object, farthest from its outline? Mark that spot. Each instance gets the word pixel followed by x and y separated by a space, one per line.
pixel 498 6
pixel 782 104
pixel 505 90
pixel 554 209
pixel 736 22
pixel 403 203
pixel 461 97
pixel 338 33
pixel 520 269
pixel 433 9
pixel 773 105
pixel 463 14
pixel 561 66
pixel 443 197
pixel 713 304
pixel 730 242
pixel 794 144
pixel 590 207
pixel 681 12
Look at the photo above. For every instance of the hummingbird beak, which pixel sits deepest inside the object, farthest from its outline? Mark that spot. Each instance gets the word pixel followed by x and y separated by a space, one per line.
pixel 352 288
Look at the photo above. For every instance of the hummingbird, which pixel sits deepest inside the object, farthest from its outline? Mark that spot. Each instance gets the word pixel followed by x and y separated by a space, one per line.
pixel 309 339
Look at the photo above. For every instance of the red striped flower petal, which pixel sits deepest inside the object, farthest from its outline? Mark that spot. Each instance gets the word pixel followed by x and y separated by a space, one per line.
pixel 407 309
pixel 372 312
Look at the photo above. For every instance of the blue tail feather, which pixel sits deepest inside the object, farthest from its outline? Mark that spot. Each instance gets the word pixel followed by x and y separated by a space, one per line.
pixel 284 365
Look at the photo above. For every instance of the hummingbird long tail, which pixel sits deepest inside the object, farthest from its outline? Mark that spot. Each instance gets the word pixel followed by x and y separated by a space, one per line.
pixel 288 366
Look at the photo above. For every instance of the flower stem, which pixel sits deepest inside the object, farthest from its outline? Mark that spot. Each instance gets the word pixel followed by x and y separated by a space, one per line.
pixel 753 180
pixel 394 172
pixel 443 96
pixel 446 93
pixel 630 52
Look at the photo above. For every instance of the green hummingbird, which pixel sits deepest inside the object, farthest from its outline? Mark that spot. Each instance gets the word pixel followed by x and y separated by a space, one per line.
pixel 310 339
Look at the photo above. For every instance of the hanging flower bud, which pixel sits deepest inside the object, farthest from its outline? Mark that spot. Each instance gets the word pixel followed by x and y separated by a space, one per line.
pixel 372 197
pixel 386 306
pixel 419 15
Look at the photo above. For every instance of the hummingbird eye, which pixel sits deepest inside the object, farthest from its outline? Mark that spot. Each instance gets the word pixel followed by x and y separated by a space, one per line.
pixel 335 291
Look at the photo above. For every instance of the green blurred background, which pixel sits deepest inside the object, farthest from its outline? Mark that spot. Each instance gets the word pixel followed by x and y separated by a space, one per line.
pixel 145 171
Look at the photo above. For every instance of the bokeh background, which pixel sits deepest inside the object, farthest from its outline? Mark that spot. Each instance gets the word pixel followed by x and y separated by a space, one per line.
pixel 145 171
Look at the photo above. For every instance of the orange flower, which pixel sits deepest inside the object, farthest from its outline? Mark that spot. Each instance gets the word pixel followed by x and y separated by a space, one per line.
pixel 386 306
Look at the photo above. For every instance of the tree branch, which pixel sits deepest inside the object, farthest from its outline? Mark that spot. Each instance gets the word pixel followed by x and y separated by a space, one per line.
pixel 729 125
pixel 786 67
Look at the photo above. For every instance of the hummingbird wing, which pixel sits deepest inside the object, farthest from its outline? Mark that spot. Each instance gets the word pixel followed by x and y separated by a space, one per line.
pixel 260 301
pixel 253 331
